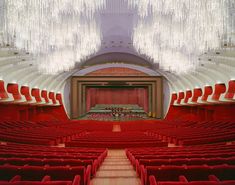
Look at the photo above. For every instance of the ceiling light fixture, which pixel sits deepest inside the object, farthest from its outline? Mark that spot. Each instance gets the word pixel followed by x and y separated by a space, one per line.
pixel 56 32
pixel 174 33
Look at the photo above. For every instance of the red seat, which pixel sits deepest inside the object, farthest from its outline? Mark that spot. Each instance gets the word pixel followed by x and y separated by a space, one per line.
pixel 44 96
pixel 192 173
pixel 36 94
pixel 52 97
pixel 3 92
pixel 24 90
pixel 153 181
pixel 8 171
pixel 36 173
pixel 231 90
pixel 37 183
pixel 14 90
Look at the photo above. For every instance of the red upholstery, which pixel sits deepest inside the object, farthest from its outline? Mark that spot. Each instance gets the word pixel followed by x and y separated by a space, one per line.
pixel 180 97
pixel 24 90
pixel 211 163
pixel 152 180
pixel 188 95
pixel 196 165
pixel 192 173
pixel 44 133
pixel 46 161
pixel 37 183
pixel 196 133
pixel 16 178
pixel 52 97
pixel 231 90
pixel 77 180
pixel 219 89
pixel 173 98
pixel 59 98
pixel 197 92
pixel 44 96
pixel 13 89
pixel 36 173
pixel 36 94
pixel 207 92
pixel 46 180
pixel 3 93
pixel 187 161
pixel 114 140
pixel 198 183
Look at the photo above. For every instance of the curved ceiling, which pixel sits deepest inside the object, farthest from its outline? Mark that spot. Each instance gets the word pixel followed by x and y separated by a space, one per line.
pixel 117 57
pixel 117 23
pixel 16 67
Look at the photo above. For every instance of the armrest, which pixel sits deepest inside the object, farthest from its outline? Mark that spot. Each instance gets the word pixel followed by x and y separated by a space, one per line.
pixel 16 178
pixel 182 178
pixel 87 175
pixel 137 167
pixel 77 180
pixel 94 167
pixel 213 178
pixel 143 175
pixel 46 178
pixel 152 180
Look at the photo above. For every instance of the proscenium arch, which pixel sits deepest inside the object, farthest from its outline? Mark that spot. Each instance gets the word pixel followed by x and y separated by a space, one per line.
pixel 116 60
pixel 118 57
pixel 79 84
pixel 145 70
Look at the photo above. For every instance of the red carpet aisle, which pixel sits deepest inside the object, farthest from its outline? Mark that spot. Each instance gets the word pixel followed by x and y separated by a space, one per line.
pixel 116 170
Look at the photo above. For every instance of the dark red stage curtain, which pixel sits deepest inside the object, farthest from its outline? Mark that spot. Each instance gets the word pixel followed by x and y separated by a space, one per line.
pixel 109 96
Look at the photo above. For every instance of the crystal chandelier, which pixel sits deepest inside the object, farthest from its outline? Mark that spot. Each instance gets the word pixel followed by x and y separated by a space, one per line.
pixel 78 48
pixel 174 33
pixel 58 33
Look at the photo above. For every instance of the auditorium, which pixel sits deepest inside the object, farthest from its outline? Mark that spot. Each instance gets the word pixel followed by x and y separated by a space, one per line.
pixel 117 92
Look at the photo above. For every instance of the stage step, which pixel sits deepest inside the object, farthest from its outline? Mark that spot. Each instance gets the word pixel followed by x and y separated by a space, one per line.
pixel 116 170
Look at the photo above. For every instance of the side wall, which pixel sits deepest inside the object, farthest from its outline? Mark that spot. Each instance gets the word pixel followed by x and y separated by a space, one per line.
pixel 31 112
pixel 202 112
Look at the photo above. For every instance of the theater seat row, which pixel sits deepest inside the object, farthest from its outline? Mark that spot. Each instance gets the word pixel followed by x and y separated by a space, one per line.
pixel 217 93
pixel 12 92
pixel 36 173
pixel 191 161
pixel 34 162
pixel 16 180
pixel 152 181
pixel 39 133
pixel 194 133
pixel 191 173
pixel 114 140
pixel 194 163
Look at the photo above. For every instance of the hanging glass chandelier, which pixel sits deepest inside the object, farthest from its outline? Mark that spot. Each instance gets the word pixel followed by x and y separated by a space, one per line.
pixel 58 33
pixel 174 33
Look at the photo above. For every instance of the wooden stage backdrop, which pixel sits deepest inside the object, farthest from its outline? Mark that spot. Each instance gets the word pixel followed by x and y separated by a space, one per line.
pixel 81 84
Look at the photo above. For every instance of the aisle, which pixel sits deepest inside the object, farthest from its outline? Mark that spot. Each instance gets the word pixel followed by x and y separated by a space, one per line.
pixel 116 170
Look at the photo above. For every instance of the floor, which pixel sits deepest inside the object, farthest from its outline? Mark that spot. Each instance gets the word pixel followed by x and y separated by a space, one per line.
pixel 116 128
pixel 116 170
